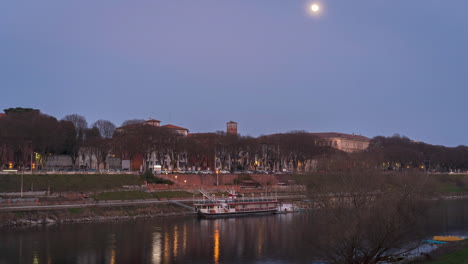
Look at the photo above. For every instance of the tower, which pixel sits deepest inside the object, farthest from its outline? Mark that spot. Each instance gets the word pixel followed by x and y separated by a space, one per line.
pixel 231 128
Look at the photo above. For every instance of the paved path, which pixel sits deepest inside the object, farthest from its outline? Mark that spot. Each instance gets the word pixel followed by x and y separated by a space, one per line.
pixel 98 204
pixel 111 203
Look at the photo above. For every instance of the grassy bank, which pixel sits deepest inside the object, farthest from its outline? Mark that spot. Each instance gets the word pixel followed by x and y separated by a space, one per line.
pixel 173 194
pixel 450 253
pixel 91 213
pixel 123 195
pixel 457 257
pixel 446 184
pixel 63 183
pixel 451 183
pixel 138 195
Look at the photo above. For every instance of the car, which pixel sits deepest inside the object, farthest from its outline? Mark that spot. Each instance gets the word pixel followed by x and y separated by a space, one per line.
pixel 224 172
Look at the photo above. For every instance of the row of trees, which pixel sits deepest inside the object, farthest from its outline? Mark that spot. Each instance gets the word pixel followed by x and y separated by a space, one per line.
pixel 27 135
pixel 398 153
pixel 24 131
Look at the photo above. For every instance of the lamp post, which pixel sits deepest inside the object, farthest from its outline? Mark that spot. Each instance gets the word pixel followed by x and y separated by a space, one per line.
pixel 22 174
pixel 217 178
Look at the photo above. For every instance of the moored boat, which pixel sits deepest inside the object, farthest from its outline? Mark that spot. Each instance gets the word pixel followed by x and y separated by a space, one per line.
pixel 212 207
pixel 447 238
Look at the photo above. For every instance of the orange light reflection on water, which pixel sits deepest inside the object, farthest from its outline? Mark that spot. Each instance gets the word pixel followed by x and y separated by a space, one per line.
pixel 216 246
pixel 184 239
pixel 176 241
pixel 167 255
pixel 112 260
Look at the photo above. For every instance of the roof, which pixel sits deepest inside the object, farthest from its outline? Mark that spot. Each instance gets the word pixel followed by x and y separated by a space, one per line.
pixel 231 122
pixel 152 120
pixel 340 135
pixel 2 115
pixel 174 127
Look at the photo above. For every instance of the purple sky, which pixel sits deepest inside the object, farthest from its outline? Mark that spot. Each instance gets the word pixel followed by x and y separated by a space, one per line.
pixel 371 67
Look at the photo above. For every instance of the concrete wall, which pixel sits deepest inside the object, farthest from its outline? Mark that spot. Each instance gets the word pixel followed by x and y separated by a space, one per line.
pixel 59 162
pixel 114 163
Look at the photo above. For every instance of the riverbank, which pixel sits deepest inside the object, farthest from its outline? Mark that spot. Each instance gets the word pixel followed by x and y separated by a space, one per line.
pixel 450 253
pixel 89 214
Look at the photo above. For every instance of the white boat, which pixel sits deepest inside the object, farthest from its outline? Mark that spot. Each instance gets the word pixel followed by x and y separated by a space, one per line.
pixel 212 207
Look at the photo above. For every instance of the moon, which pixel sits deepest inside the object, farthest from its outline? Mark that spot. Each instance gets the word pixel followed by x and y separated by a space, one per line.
pixel 315 8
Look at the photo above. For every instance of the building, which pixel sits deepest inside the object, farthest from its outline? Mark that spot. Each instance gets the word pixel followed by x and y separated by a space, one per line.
pixel 180 130
pixel 231 128
pixel 344 142
pixel 151 122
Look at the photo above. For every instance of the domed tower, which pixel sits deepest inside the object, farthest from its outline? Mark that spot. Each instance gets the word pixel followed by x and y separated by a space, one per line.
pixel 231 128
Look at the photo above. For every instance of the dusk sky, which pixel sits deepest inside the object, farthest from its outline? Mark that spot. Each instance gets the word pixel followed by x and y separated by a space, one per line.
pixel 370 67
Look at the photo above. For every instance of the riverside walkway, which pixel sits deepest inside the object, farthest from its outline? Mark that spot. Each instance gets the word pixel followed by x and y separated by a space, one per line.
pixel 179 202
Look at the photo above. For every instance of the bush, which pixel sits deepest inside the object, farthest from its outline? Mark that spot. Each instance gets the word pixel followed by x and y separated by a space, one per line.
pixel 150 178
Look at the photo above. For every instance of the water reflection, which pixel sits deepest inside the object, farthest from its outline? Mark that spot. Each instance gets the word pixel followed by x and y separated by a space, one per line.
pixel 166 248
pixel 184 238
pixel 156 248
pixel 276 238
pixel 176 241
pixel 216 245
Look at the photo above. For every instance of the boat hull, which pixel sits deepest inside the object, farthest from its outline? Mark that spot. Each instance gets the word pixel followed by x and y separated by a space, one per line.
pixel 236 214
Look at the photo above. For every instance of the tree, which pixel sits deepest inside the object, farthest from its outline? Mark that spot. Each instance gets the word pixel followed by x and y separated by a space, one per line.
pixel 106 128
pixel 19 110
pixel 133 122
pixel 80 124
pixel 25 132
pixel 368 216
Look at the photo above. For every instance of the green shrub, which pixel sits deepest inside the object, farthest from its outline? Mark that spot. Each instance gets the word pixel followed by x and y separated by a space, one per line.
pixel 75 210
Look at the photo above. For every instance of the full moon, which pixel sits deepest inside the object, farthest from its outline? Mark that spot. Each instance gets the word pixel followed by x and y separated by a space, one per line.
pixel 315 8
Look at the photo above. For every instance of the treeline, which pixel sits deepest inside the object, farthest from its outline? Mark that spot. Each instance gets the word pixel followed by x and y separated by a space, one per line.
pixel 399 152
pixel 24 131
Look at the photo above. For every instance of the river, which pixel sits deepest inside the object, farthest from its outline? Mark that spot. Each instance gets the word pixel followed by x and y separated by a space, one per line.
pixel 256 239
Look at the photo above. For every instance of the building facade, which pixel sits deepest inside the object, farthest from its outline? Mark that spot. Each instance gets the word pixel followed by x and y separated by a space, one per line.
pixel 345 142
pixel 231 128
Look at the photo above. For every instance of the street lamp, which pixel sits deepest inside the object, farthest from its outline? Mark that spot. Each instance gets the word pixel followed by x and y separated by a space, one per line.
pixel 217 178
pixel 22 175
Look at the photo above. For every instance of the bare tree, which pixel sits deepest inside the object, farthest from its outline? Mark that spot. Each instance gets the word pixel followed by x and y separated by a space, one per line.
pixel 79 122
pixel 368 216
pixel 106 128
pixel 132 122
pixel 81 125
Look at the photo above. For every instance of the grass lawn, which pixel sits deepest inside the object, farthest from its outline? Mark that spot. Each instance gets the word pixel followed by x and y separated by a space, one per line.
pixel 62 183
pixel 123 195
pixel 137 195
pixel 172 194
pixel 457 257
pixel 451 183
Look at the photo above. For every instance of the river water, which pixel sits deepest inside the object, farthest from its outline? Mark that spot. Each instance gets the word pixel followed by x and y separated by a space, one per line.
pixel 257 239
